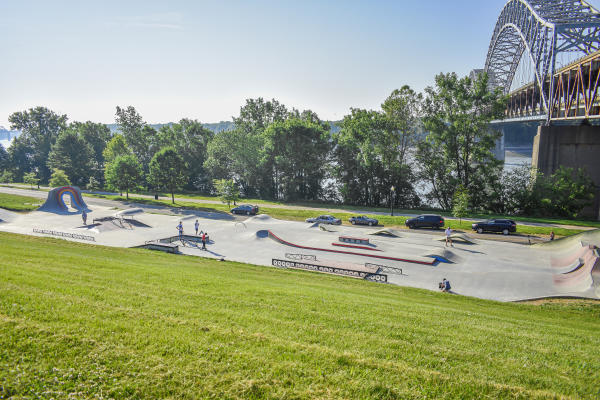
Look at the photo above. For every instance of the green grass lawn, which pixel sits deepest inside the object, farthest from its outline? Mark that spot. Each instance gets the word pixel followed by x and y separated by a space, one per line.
pixel 15 202
pixel 96 322
pixel 308 205
pixel 302 214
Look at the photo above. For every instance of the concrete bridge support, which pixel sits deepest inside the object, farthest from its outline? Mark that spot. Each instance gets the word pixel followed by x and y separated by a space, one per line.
pixel 570 146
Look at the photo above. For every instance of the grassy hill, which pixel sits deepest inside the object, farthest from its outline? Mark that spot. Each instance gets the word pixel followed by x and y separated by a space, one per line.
pixel 92 321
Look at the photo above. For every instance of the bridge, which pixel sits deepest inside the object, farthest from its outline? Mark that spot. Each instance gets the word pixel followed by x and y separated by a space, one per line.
pixel 545 56
pixel 559 41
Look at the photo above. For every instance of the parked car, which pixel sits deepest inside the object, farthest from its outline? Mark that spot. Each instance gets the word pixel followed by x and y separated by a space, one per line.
pixel 363 220
pixel 325 219
pixel 246 209
pixel 425 221
pixel 495 225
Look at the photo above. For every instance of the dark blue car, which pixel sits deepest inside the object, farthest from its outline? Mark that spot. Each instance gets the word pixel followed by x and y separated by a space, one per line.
pixel 245 209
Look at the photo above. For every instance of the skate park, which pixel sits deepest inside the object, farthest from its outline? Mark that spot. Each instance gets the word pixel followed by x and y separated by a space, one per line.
pixel 497 270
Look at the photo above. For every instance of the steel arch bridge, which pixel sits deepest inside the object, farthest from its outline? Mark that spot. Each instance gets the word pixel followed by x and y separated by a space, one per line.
pixel 541 30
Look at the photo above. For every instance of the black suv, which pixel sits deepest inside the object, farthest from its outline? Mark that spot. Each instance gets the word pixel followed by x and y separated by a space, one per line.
pixel 495 225
pixel 425 221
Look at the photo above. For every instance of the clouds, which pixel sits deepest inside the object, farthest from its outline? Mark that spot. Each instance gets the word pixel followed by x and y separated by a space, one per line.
pixel 163 21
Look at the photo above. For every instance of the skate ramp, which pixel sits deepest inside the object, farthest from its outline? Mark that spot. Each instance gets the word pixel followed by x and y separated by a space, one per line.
pixel 261 218
pixel 385 232
pixel 581 274
pixel 326 228
pixel 55 202
pixel 443 255
pixel 7 216
pixel 458 237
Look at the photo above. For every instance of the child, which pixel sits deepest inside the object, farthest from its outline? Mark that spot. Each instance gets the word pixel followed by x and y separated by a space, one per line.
pixel 448 238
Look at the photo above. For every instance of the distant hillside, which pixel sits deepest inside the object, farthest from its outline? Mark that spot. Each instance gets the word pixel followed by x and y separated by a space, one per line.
pixel 216 126
pixel 6 134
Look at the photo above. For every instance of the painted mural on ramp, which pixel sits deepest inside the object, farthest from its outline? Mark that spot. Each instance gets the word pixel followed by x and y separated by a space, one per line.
pixel 55 202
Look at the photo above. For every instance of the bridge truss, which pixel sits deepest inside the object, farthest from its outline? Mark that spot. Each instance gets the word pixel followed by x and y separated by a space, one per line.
pixel 541 30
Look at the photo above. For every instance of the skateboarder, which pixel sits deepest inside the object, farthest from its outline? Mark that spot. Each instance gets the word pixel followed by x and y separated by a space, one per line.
pixel 196 225
pixel 180 229
pixel 203 240
pixel 84 217
pixel 448 238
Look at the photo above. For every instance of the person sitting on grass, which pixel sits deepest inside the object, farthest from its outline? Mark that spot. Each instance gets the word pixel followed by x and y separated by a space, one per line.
pixel 445 285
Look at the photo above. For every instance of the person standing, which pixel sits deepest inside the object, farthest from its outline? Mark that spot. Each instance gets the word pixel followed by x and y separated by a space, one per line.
pixel 196 225
pixel 180 229
pixel 84 217
pixel 552 236
pixel 203 240
pixel 448 238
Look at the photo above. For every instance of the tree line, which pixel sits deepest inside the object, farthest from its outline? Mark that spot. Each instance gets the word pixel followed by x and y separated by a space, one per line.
pixel 433 148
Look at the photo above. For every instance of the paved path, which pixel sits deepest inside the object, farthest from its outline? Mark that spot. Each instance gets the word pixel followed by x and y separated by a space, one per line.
pixel 318 210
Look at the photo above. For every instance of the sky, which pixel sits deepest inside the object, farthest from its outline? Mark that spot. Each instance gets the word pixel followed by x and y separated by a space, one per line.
pixel 202 59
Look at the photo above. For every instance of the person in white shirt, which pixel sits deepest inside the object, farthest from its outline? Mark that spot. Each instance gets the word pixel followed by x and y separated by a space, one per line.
pixel 448 238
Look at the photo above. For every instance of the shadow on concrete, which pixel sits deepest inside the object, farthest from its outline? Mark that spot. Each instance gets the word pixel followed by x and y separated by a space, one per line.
pixel 204 213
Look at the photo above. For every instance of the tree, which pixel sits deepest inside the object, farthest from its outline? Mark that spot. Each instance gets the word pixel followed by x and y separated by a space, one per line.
pixel 168 171
pixel 141 138
pixel 59 178
pixel 403 110
pixel 257 114
pixel 40 128
pixel 295 153
pixel 4 160
pixel 7 177
pixel 368 160
pixel 31 179
pixel 124 173
pixel 93 184
pixel 458 147
pixel 97 136
pixel 20 158
pixel 73 155
pixel 117 146
pixel 460 203
pixel 227 191
pixel 190 139
pixel 566 192
pixel 236 155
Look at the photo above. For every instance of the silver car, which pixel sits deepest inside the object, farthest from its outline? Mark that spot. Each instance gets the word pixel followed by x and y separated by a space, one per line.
pixel 325 219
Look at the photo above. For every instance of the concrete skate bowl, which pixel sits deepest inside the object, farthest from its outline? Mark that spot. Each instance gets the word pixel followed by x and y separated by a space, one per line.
pixel 443 255
pixel 385 232
pixel 55 202
pixel 578 271
pixel 572 242
pixel 459 238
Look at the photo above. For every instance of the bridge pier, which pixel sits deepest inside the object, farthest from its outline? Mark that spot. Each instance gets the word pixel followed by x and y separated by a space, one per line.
pixel 573 147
